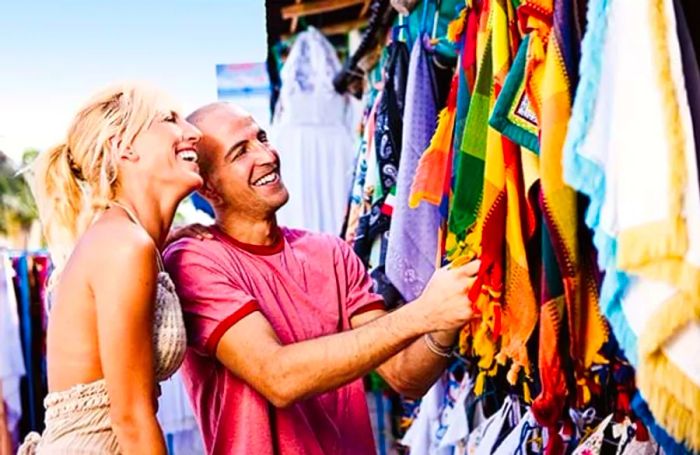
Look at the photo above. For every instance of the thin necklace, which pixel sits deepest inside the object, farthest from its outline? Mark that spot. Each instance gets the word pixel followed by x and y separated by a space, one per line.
pixel 129 213
pixel 135 219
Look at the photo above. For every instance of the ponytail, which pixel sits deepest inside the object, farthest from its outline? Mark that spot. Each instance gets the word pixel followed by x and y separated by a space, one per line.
pixel 73 183
pixel 60 199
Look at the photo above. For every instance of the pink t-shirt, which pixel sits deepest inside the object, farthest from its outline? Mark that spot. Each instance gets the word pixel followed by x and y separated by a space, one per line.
pixel 307 285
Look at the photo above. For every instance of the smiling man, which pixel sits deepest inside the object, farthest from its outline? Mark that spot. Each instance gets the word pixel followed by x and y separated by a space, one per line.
pixel 282 323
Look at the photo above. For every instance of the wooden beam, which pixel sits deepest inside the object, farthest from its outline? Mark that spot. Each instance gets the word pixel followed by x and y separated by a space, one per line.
pixel 365 8
pixel 316 7
pixel 336 29
pixel 295 21
pixel 343 27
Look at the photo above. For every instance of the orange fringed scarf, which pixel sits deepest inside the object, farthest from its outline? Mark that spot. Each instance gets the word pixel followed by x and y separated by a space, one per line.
pixel 506 324
pixel 434 167
pixel 567 283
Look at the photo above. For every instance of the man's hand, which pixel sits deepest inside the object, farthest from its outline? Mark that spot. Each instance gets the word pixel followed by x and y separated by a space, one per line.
pixel 197 231
pixel 444 300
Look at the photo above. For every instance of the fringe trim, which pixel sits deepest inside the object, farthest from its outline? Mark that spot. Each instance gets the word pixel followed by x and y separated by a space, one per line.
pixel 669 445
pixel 674 126
pixel 676 313
pixel 673 399
pixel 669 238
pixel 610 301
pixel 580 172
pixel 652 242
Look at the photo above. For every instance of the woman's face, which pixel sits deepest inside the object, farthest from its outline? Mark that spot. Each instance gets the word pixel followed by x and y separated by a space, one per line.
pixel 167 154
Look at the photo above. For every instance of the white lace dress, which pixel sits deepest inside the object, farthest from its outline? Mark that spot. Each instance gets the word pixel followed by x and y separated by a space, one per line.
pixel 313 130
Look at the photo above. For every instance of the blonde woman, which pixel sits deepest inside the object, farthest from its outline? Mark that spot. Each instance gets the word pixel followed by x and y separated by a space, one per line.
pixel 109 194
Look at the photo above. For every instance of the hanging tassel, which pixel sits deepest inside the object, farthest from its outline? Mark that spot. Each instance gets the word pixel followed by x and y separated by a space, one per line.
pixel 583 392
pixel 480 383
pixel 513 372
pixel 456 27
pixel 555 444
pixel 527 395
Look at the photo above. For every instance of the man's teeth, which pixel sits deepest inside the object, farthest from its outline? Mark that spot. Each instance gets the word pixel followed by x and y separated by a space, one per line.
pixel 269 178
pixel 188 155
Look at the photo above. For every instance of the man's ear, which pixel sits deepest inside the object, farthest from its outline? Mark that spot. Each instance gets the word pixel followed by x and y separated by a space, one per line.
pixel 210 193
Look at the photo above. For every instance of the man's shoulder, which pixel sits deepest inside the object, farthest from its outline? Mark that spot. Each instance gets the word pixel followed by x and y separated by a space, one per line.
pixel 189 248
pixel 293 236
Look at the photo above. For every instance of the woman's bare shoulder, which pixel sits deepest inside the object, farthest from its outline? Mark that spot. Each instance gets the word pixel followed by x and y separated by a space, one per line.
pixel 115 241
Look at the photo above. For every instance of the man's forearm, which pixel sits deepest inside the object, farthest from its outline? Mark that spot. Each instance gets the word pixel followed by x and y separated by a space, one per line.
pixel 316 366
pixel 413 370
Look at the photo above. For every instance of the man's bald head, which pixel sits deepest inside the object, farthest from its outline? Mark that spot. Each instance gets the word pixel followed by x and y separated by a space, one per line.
pixel 210 119
pixel 205 113
pixel 234 158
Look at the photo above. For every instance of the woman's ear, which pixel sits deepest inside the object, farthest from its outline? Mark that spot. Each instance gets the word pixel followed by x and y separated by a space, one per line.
pixel 124 153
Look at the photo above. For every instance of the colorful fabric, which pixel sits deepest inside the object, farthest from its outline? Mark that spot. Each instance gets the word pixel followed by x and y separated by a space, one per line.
pixel 487 292
pixel 357 195
pixel 512 115
pixel 469 173
pixel 520 308
pixel 463 32
pixel 387 138
pixel 323 285
pixel 412 248
pixel 434 165
pixel 645 207
pixel 568 283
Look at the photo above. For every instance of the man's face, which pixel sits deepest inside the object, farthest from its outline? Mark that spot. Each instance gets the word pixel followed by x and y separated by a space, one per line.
pixel 243 168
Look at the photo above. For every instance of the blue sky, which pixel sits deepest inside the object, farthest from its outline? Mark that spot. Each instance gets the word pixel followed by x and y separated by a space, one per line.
pixel 55 54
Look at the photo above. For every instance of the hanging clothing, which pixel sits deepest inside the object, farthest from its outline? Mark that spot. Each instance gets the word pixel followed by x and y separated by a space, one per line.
pixel 636 158
pixel 383 165
pixel 177 419
pixel 412 249
pixel 371 236
pixel 422 436
pixel 30 311
pixel 11 359
pixel 512 115
pixel 469 173
pixel 359 199
pixel 569 284
pixel 313 127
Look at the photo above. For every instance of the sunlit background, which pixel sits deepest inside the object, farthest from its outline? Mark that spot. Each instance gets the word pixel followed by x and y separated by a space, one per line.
pixel 55 54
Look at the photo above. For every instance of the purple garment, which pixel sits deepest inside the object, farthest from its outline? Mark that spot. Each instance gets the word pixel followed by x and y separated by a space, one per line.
pixel 413 236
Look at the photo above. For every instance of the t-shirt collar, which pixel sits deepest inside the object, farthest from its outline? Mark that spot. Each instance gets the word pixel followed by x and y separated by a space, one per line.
pixel 259 250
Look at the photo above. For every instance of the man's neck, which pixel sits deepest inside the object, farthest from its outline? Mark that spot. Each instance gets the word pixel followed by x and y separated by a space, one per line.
pixel 249 230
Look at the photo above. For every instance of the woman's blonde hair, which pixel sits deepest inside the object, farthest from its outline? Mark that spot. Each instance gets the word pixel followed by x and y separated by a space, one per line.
pixel 75 181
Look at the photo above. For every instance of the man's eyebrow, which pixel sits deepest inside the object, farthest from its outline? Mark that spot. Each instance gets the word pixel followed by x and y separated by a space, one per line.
pixel 234 147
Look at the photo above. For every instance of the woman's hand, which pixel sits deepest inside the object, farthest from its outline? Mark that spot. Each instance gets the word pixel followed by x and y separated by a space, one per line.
pixel 197 231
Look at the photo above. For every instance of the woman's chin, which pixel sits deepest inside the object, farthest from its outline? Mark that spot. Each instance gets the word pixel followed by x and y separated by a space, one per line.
pixel 192 182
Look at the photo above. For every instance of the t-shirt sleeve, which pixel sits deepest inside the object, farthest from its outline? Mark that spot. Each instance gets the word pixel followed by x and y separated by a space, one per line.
pixel 212 302
pixel 360 297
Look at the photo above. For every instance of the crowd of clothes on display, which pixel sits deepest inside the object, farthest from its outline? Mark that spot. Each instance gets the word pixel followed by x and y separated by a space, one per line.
pixel 556 141
pixel 24 312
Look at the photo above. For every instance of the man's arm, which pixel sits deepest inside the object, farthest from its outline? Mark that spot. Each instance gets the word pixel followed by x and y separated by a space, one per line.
pixel 413 370
pixel 286 374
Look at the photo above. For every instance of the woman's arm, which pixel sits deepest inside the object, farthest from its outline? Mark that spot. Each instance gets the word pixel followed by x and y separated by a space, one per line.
pixel 124 287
